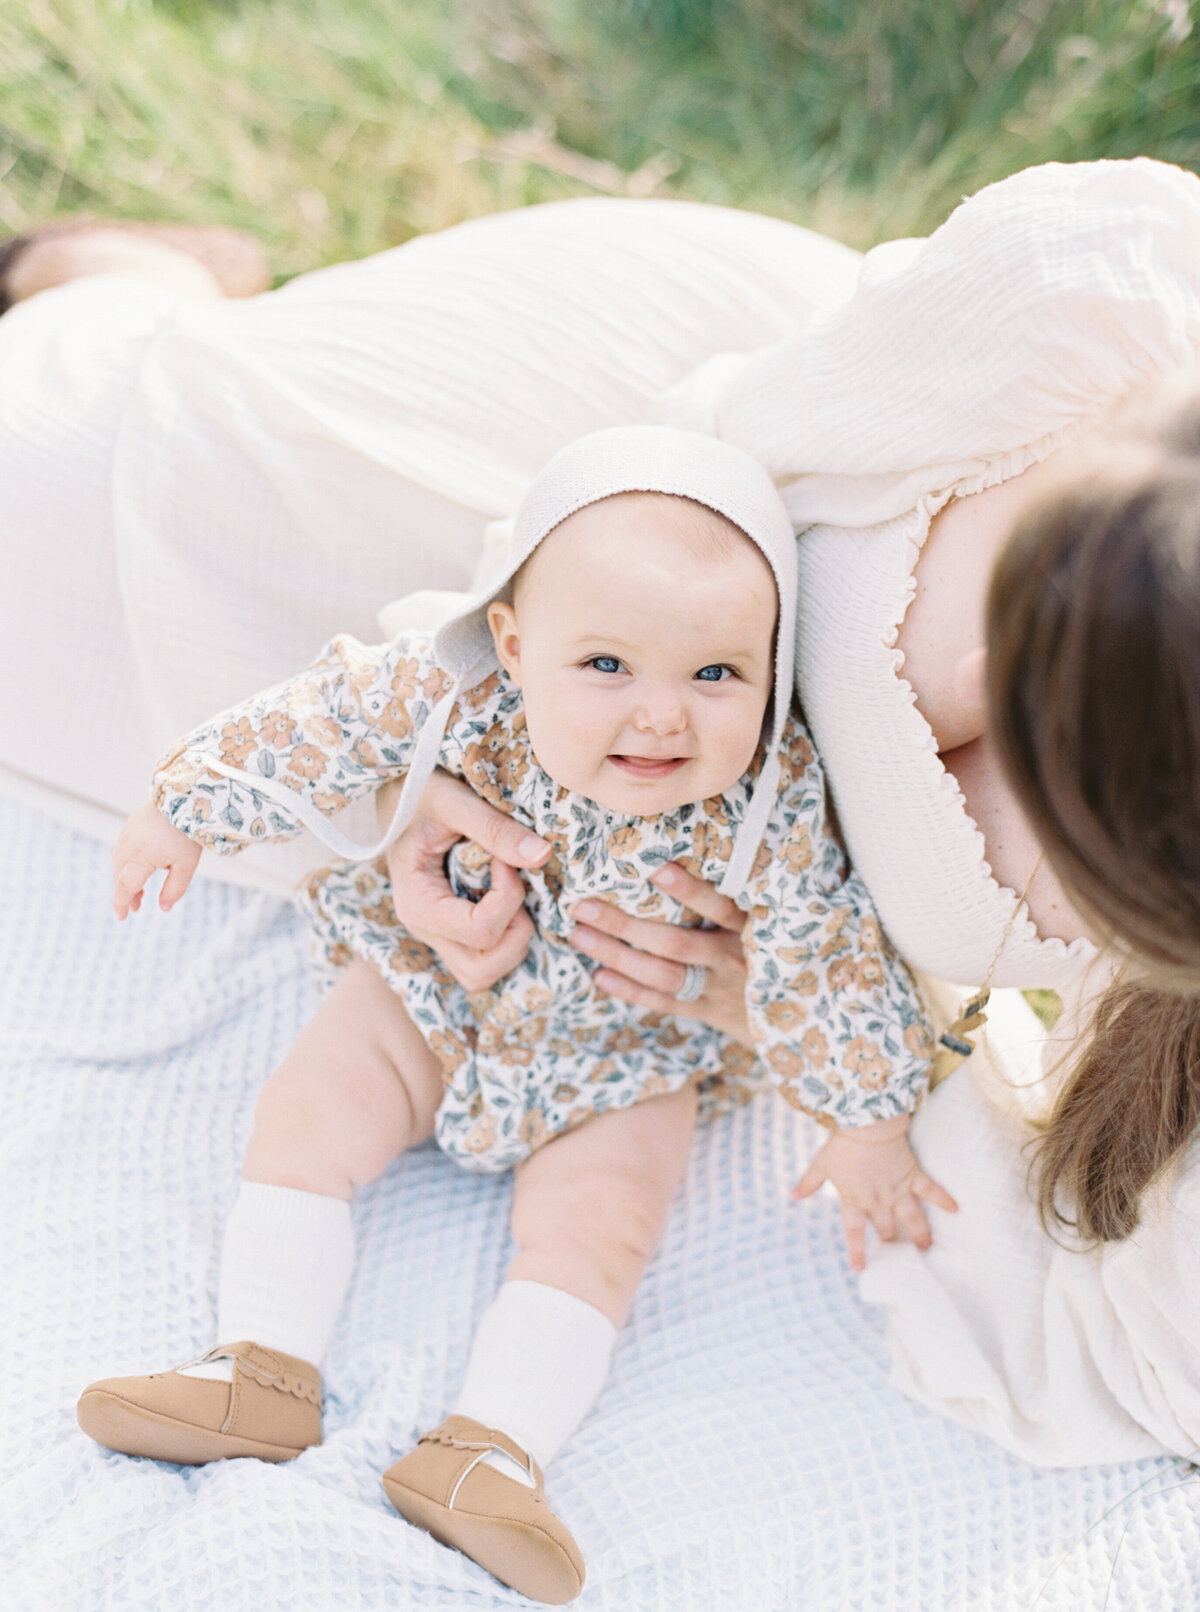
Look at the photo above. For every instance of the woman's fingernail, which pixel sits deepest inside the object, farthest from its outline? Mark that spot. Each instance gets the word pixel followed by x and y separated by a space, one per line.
pixel 665 876
pixel 586 912
pixel 531 846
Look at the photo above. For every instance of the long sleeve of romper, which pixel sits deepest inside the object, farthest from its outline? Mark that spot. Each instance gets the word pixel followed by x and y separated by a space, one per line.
pixel 835 1014
pixel 332 733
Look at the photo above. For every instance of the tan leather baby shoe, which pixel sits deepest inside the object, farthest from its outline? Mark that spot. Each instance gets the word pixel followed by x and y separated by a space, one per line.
pixel 444 1487
pixel 272 1409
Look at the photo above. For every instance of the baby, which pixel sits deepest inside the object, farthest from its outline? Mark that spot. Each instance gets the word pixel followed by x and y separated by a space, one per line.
pixel 625 691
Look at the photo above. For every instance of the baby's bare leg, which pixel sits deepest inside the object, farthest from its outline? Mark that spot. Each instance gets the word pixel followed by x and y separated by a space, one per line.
pixel 589 1208
pixel 588 1213
pixel 358 1087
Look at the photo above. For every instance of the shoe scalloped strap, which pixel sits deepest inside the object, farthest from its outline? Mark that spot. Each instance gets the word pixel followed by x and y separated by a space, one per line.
pixel 272 1375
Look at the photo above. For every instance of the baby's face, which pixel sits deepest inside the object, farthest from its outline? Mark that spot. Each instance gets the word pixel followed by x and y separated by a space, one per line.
pixel 641 635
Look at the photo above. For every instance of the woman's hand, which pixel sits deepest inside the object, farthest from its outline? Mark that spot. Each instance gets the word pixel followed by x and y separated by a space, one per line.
pixel 478 941
pixel 645 960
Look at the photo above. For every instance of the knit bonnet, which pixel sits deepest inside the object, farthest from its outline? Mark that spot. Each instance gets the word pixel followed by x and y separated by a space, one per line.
pixel 626 459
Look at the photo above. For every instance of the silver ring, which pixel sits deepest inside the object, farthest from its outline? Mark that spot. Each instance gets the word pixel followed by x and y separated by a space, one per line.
pixel 695 978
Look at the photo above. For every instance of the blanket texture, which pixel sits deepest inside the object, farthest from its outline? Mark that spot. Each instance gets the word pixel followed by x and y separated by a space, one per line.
pixel 747 1454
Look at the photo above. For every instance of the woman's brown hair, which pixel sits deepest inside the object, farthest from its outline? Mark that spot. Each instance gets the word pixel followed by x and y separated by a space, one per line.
pixel 1093 638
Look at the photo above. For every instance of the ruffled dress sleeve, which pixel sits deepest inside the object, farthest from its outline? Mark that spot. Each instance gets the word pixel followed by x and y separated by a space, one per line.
pixel 835 1014
pixel 331 734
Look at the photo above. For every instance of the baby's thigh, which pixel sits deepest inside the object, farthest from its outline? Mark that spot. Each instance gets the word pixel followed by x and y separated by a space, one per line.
pixel 358 1086
pixel 589 1208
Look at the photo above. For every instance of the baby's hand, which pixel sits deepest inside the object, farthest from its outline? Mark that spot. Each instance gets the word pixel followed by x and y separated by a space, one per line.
pixel 879 1179
pixel 146 843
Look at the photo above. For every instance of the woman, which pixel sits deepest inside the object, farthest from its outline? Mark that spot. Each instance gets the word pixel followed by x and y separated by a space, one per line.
pixel 907 422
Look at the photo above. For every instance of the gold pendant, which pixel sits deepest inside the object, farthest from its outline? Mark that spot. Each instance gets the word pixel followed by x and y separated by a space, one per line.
pixel 953 1048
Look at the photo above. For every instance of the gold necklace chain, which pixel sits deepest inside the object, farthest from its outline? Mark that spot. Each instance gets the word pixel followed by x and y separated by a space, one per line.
pixel 953 1048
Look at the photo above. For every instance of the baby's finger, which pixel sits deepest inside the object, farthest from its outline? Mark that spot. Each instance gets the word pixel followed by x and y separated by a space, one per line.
pixel 812 1179
pixel 884 1221
pixel 912 1217
pixel 176 882
pixel 855 1225
pixel 924 1187
pixel 128 880
pixel 479 970
pixel 700 896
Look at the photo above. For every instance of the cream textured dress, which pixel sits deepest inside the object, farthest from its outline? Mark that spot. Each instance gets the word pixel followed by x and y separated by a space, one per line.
pixel 195 496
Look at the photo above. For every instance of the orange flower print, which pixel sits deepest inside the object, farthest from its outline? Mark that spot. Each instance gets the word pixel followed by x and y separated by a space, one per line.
pixel 917 1040
pixel 564 1092
pixel 709 844
pixel 394 720
pixel 763 858
pixel 785 1014
pixel 325 802
pixel 436 684
pixel 667 1034
pixel 836 939
pixel 323 730
pixel 798 851
pixel 257 829
pixel 202 809
pixel 627 1039
pixel 785 1062
pixel 364 753
pixel 866 1064
pixel 624 842
pixel 276 730
pixel 449 1051
pixel 339 954
pixel 307 761
pixel 481 1136
pixel 474 699
pixel 512 770
pixel 533 1131
pixel 237 741
pixel 816 1047
pixel 410 957
pixel 843 973
pixel 381 912
pixel 404 678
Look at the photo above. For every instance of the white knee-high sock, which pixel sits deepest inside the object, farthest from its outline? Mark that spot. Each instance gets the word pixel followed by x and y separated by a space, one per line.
pixel 538 1362
pixel 285 1267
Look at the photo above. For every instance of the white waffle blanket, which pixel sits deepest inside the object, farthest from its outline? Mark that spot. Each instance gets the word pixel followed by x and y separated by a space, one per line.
pixel 747 1454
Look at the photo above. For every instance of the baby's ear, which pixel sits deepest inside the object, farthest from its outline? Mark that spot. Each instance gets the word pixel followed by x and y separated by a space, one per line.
pixel 502 620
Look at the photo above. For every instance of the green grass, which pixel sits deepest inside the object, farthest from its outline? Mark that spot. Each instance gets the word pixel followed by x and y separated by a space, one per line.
pixel 334 127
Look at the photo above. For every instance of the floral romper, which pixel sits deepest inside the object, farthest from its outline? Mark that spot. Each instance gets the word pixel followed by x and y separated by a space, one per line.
pixel 836 1019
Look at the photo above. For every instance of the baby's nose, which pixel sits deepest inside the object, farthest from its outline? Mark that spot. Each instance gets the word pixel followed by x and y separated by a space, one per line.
pixel 662 714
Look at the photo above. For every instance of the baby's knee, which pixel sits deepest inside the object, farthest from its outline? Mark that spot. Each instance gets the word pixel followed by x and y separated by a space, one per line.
pixel 300 1139
pixel 608 1217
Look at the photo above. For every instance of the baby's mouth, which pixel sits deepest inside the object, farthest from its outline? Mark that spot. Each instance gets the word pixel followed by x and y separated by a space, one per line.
pixel 648 766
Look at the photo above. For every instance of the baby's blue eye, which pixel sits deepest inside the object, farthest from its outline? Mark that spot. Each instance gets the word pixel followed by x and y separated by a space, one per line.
pixel 605 663
pixel 714 674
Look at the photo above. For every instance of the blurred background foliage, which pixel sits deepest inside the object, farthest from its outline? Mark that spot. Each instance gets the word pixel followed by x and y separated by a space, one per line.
pixel 335 127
